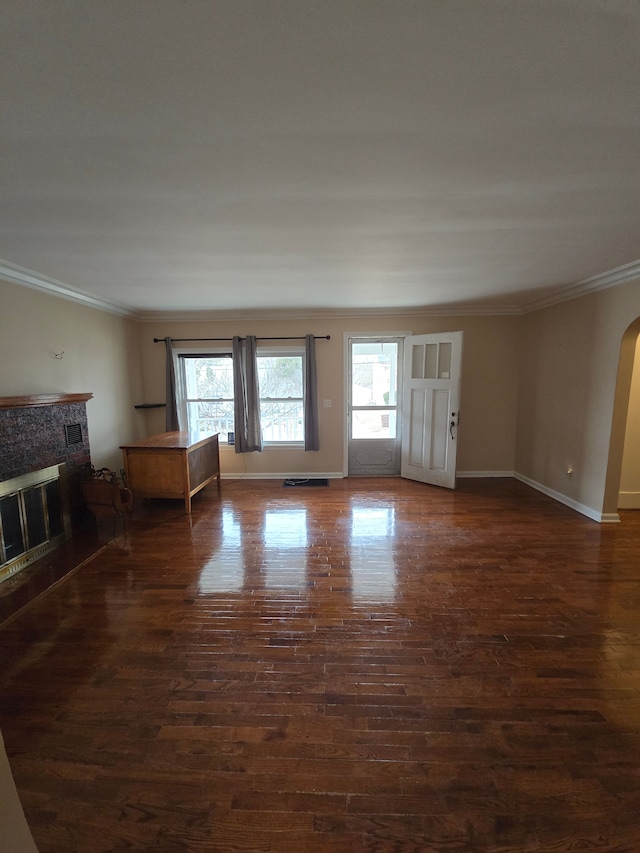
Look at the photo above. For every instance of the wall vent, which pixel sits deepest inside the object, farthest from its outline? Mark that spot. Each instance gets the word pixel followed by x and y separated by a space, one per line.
pixel 73 433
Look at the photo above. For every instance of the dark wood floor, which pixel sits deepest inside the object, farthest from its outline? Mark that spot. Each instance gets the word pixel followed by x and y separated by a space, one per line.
pixel 21 589
pixel 373 666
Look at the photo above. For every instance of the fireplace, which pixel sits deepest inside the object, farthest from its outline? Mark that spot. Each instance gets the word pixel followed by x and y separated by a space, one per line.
pixel 34 517
pixel 44 448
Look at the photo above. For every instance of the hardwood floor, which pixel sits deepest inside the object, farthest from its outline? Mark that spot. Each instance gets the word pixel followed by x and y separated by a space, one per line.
pixel 21 589
pixel 372 666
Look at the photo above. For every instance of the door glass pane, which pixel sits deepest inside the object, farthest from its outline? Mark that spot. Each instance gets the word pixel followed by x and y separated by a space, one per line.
pixel 417 361
pixel 431 362
pixel 374 373
pixel 373 423
pixel 444 362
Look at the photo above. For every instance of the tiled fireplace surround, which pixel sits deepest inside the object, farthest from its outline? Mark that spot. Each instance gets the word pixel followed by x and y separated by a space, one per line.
pixel 33 437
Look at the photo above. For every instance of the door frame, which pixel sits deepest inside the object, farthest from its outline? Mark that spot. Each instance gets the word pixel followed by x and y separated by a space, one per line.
pixel 345 385
pixel 613 474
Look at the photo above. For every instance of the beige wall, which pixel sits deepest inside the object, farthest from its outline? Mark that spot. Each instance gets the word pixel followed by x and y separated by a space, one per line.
pixel 488 397
pixel 569 359
pixel 630 479
pixel 103 355
pixel 100 356
pixel 538 392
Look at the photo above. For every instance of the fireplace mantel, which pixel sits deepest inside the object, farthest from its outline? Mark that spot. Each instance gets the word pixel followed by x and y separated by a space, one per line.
pixel 27 402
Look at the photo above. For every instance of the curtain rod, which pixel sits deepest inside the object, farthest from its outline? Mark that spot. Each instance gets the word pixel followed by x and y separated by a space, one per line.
pixel 298 338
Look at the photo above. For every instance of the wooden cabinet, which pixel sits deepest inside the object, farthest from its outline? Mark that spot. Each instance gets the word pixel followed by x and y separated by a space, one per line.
pixel 172 465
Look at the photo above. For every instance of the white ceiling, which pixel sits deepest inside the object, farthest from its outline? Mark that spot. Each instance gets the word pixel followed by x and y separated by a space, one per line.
pixel 188 155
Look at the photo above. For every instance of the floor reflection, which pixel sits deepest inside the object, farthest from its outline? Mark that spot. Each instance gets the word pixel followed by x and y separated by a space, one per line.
pixel 224 570
pixel 285 544
pixel 278 552
pixel 373 568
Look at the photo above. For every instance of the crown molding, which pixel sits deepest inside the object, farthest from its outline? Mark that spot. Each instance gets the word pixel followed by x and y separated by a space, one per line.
pixel 231 315
pixel 36 281
pixel 19 275
pixel 612 278
pixel 603 281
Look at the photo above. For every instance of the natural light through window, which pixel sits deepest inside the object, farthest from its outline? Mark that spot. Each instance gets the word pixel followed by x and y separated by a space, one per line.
pixel 374 389
pixel 281 401
pixel 209 393
pixel 208 381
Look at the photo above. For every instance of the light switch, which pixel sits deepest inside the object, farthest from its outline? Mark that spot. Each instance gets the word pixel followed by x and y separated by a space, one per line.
pixel 327 404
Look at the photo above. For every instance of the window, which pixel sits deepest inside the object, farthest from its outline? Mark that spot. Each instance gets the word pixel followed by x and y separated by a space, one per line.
pixel 208 383
pixel 281 401
pixel 374 389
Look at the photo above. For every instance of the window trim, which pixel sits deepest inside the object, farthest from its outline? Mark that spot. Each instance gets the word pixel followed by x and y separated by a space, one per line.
pixel 182 354
pixel 283 352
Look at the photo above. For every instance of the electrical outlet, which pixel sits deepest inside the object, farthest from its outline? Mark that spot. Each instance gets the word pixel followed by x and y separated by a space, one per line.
pixel 327 404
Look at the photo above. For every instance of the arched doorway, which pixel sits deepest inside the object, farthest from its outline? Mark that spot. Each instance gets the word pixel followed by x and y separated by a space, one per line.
pixel 624 384
pixel 629 497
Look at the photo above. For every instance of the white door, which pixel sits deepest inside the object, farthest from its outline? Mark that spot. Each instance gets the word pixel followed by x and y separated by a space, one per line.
pixel 431 408
pixel 375 366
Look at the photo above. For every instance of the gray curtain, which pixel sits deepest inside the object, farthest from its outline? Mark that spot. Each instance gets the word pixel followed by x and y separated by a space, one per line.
pixel 246 396
pixel 311 434
pixel 172 421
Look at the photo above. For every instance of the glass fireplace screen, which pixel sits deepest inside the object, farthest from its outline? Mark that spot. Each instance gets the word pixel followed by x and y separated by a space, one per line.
pixel 32 518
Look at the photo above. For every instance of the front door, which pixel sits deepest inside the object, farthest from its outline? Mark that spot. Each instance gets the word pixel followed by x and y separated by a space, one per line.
pixel 430 408
pixel 373 406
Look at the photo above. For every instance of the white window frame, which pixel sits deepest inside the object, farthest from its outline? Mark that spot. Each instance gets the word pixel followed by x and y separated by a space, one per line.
pixel 284 352
pixel 262 352
pixel 183 399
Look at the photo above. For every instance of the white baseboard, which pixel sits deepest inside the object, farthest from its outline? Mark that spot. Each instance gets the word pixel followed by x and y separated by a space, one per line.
pixel 479 474
pixel 629 500
pixel 590 512
pixel 338 475
pixel 583 509
pixel 275 475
